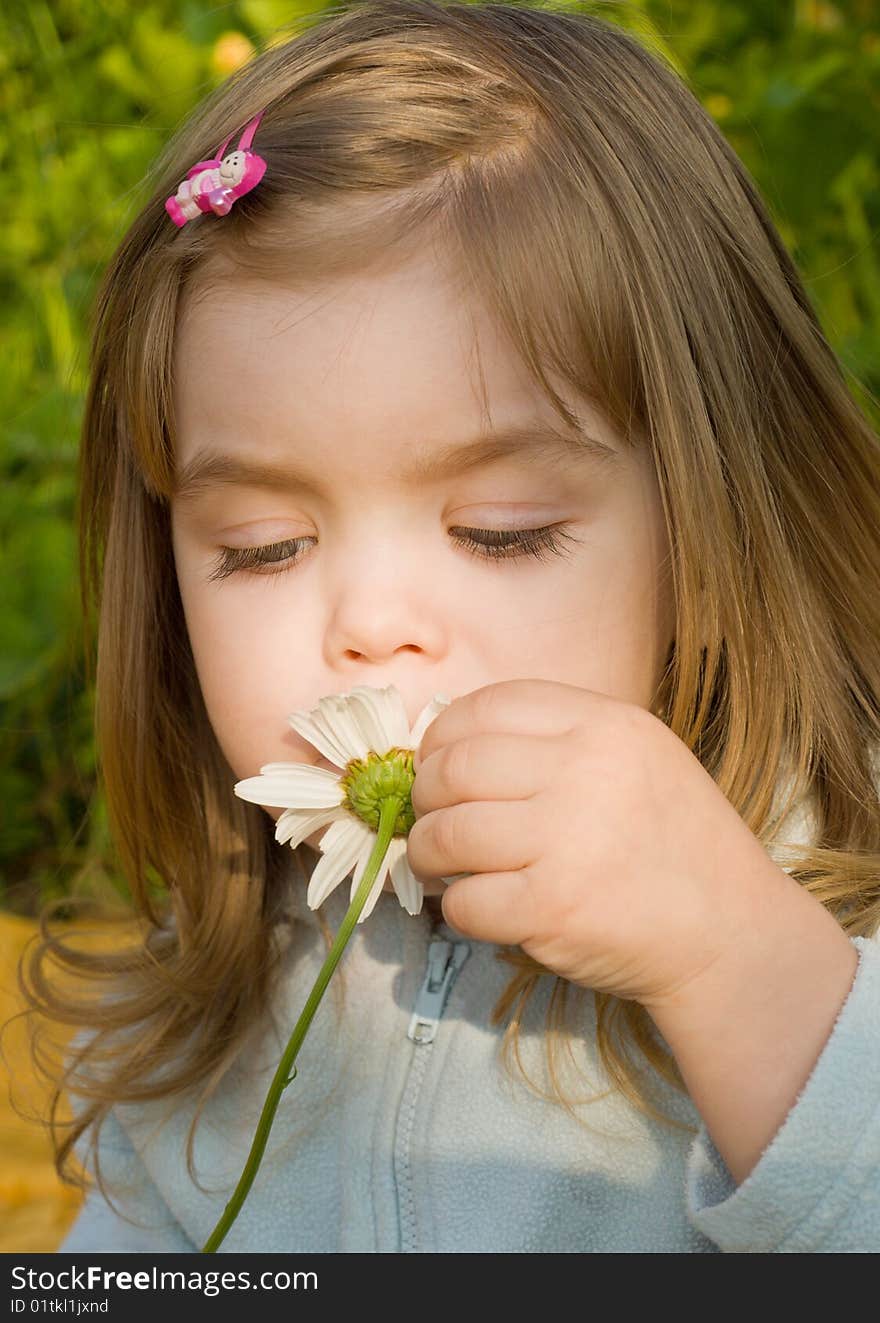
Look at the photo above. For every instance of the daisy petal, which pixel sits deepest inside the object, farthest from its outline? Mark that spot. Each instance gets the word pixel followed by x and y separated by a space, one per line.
pixel 409 890
pixel 343 727
pixel 294 825
pixel 364 709
pixel 301 787
pixel 322 736
pixel 348 728
pixel 383 716
pixel 426 716
pixel 375 892
pixel 378 881
pixel 341 847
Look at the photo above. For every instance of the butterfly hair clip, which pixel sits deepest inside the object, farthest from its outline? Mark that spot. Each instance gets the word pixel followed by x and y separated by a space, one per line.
pixel 216 184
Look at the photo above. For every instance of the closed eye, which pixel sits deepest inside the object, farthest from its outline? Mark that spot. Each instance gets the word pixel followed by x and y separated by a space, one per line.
pixel 484 543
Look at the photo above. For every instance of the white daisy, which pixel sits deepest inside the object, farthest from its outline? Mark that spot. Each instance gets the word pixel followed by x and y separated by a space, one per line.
pixel 366 734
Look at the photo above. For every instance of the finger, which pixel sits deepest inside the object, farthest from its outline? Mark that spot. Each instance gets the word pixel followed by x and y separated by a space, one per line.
pixel 543 707
pixel 472 838
pixel 492 907
pixel 485 767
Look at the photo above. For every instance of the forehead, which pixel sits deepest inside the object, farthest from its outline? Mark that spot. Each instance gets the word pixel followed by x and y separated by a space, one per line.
pixel 387 380
pixel 404 351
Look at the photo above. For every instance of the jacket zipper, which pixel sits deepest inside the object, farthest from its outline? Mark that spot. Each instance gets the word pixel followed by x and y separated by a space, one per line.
pixel 445 959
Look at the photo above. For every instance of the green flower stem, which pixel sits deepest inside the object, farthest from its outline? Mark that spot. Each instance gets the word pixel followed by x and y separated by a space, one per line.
pixel 389 809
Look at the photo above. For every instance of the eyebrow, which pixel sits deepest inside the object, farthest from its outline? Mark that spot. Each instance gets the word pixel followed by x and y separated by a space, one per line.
pixel 210 468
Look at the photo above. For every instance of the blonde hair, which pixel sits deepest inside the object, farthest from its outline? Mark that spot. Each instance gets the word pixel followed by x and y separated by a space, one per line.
pixel 663 293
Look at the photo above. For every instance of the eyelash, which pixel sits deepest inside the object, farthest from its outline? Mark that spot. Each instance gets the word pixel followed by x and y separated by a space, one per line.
pixel 511 545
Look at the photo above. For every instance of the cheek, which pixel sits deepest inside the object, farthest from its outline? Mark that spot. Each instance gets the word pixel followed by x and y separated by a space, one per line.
pixel 249 674
pixel 602 623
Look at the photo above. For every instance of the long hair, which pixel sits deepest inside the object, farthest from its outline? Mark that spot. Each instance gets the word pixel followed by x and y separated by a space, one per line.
pixel 619 240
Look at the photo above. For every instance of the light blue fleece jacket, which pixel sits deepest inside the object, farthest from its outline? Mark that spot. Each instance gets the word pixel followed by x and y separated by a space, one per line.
pixel 403 1131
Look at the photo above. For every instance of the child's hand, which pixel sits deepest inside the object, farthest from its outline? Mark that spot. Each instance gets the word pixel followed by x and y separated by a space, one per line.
pixel 596 840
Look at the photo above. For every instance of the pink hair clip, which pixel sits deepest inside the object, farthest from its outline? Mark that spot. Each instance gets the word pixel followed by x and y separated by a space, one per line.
pixel 214 185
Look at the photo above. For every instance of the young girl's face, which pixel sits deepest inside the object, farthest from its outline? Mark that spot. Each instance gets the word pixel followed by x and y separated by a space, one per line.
pixel 318 419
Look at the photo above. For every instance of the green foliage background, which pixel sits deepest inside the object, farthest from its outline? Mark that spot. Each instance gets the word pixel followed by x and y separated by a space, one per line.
pixel 91 89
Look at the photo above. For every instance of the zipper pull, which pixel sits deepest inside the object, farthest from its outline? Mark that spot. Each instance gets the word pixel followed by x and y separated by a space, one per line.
pixel 445 959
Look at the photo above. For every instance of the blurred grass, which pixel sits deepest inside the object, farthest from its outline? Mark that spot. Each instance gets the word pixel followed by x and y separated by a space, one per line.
pixel 89 92
pixel 36 1210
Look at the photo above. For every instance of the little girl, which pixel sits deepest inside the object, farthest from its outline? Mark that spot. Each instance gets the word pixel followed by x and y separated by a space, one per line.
pixel 498 384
